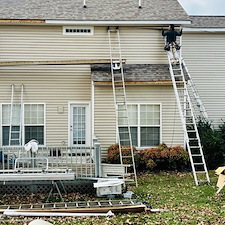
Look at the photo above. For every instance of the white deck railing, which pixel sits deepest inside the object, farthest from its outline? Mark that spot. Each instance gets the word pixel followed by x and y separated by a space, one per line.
pixel 82 161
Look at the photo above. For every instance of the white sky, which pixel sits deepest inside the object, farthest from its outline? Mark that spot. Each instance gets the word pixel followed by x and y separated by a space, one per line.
pixel 204 7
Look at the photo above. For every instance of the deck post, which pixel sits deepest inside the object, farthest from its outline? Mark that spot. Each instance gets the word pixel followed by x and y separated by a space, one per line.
pixel 97 159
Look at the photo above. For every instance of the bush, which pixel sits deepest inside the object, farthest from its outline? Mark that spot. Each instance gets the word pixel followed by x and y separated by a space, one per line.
pixel 213 144
pixel 160 158
pixel 164 158
pixel 114 154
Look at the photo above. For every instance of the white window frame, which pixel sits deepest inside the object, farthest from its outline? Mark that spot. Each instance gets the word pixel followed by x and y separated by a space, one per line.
pixel 88 123
pixel 23 124
pixel 139 124
pixel 80 29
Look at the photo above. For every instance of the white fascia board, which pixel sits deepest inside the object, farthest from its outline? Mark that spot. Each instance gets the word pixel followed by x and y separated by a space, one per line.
pixel 204 30
pixel 72 22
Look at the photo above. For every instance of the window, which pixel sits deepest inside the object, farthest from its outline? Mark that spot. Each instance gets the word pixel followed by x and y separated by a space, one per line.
pixel 145 124
pixel 78 30
pixel 31 123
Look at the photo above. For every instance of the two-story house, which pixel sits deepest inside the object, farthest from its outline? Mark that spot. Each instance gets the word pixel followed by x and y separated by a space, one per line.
pixel 55 71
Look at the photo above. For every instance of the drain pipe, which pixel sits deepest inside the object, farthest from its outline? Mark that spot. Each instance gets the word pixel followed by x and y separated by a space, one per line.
pixel 140 7
pixel 84 5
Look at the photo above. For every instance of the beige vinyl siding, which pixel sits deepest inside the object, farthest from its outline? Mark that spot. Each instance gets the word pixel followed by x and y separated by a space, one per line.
pixel 172 133
pixel 138 45
pixel 204 54
pixel 53 85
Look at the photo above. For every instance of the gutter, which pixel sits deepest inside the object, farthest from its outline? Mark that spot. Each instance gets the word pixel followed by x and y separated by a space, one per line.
pixel 109 22
pixel 89 22
pixel 204 30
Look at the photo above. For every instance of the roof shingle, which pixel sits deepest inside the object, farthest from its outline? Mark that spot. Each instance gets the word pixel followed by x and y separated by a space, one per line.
pixel 207 22
pixel 133 72
pixel 97 10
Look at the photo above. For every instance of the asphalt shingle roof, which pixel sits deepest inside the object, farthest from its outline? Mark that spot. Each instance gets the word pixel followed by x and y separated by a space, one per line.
pixel 97 10
pixel 207 22
pixel 133 72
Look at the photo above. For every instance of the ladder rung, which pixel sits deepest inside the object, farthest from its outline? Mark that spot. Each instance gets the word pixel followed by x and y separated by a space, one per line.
pixel 198 164
pixel 196 155
pixel 202 171
pixel 124 139
pixel 126 156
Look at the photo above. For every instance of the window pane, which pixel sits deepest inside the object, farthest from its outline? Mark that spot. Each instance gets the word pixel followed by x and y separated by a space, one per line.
pixel 150 115
pixel 34 114
pixel 34 132
pixel 6 114
pixel 150 136
pixel 79 125
pixel 133 114
pixel 5 135
pixel 124 135
pixel 16 114
pixel 14 135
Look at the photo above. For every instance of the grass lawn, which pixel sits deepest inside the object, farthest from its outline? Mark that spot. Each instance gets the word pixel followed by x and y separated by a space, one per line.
pixel 184 203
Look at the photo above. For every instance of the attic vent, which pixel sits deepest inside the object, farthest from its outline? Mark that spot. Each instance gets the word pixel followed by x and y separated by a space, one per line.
pixel 78 30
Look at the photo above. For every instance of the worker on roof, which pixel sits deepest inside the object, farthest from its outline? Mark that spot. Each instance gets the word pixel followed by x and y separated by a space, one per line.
pixel 171 36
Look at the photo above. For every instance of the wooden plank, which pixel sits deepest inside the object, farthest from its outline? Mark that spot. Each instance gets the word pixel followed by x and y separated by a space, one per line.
pixel 107 83
pixel 16 21
pixel 55 62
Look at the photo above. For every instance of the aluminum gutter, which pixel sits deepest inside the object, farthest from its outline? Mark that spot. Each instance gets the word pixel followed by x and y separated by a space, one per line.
pixel 204 29
pixel 149 22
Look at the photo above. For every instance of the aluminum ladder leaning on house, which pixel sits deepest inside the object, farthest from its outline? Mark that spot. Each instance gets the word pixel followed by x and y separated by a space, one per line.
pixel 119 93
pixel 16 114
pixel 203 115
pixel 189 125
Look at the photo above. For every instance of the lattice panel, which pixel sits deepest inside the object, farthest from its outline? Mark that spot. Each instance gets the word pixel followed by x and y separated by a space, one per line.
pixel 45 188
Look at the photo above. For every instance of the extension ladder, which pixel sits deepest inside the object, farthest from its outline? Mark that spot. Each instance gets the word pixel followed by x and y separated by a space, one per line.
pixel 79 206
pixel 119 93
pixel 186 112
pixel 195 95
pixel 16 114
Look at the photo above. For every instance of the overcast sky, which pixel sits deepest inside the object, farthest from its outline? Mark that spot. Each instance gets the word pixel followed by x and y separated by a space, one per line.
pixel 204 7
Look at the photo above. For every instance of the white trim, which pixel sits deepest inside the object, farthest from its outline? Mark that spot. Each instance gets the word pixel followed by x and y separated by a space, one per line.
pixel 204 29
pixel 109 22
pixel 92 111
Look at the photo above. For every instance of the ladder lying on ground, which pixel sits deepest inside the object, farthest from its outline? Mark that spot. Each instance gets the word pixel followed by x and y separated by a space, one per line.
pixel 186 111
pixel 126 205
pixel 16 113
pixel 119 93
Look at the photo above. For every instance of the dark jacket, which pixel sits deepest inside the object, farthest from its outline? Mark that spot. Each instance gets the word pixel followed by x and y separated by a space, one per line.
pixel 171 35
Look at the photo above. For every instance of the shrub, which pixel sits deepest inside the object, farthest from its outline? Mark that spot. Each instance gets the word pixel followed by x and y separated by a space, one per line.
pixel 164 158
pixel 114 154
pixel 160 158
pixel 213 143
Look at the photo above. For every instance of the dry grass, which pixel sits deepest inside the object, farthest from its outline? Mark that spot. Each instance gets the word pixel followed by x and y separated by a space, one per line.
pixel 176 192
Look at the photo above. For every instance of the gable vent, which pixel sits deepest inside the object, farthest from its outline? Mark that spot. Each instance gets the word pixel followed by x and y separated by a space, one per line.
pixel 78 30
